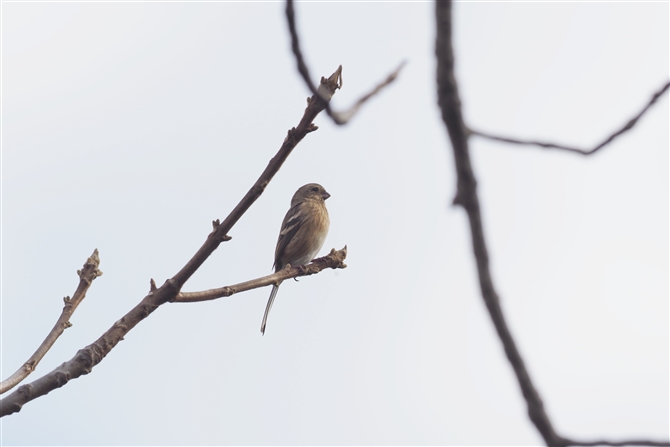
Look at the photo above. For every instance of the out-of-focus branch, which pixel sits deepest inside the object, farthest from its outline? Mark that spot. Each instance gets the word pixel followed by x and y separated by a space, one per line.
pixel 644 442
pixel 628 126
pixel 466 196
pixel 334 260
pixel 339 118
pixel 84 361
pixel 86 276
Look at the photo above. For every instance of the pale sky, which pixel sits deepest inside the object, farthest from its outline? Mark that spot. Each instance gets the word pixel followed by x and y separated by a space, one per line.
pixel 129 127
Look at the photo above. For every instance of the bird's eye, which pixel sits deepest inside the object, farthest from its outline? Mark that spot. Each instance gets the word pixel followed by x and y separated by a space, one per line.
pixel 315 189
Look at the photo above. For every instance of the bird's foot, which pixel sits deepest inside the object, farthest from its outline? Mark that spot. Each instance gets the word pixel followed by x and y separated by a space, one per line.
pixel 302 271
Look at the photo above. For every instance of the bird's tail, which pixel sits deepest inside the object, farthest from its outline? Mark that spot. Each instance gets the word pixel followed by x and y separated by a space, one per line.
pixel 273 294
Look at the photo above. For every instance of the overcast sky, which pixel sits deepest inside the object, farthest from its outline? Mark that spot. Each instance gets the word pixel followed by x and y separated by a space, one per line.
pixel 129 127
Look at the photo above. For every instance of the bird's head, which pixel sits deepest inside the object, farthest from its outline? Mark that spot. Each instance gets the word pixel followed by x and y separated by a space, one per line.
pixel 311 191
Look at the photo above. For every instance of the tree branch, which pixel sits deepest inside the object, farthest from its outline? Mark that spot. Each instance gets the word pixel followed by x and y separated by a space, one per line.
pixel 86 276
pixel 615 443
pixel 88 357
pixel 466 196
pixel 628 126
pixel 334 260
pixel 338 118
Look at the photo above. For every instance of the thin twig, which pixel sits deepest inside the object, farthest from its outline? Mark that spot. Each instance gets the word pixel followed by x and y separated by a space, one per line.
pixel 88 357
pixel 339 118
pixel 334 260
pixel 626 127
pixel 466 196
pixel 644 442
pixel 86 276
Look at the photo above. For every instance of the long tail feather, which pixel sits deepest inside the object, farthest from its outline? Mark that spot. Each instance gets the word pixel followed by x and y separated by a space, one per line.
pixel 273 294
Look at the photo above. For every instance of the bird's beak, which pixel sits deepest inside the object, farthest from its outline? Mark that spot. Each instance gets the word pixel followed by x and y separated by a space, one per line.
pixel 325 195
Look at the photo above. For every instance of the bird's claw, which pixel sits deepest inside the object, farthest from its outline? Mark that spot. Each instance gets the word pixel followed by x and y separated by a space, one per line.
pixel 303 271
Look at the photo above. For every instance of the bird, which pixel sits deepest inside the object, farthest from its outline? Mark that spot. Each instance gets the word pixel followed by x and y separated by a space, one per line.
pixel 303 232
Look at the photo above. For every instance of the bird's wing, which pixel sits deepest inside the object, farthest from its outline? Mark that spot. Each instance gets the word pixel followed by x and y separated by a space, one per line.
pixel 293 221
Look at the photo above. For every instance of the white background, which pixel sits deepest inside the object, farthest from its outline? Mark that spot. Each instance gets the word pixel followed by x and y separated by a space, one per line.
pixel 129 127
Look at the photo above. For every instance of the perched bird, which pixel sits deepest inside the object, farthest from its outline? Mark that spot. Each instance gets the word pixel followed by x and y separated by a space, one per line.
pixel 302 234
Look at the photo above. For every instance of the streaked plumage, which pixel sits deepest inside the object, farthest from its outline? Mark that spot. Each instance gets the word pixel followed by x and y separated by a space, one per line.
pixel 302 234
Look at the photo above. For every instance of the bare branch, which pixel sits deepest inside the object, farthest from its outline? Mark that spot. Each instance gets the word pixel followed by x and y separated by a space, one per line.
pixel 628 126
pixel 466 196
pixel 88 357
pixel 86 276
pixel 616 443
pixel 334 260
pixel 339 118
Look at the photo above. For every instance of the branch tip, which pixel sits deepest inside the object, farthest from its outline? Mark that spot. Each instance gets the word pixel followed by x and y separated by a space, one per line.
pixel 94 258
pixel 328 85
pixel 334 81
pixel 345 116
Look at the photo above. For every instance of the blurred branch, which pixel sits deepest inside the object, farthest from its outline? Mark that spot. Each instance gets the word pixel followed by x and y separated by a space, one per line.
pixel 339 118
pixel 466 196
pixel 86 276
pixel 628 126
pixel 335 260
pixel 88 357
pixel 616 443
